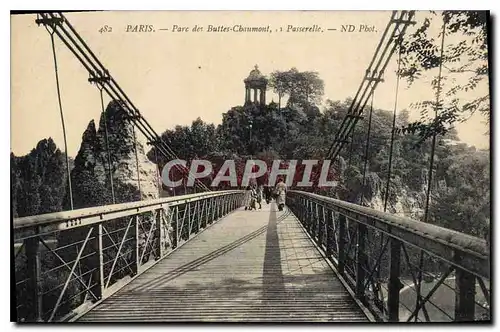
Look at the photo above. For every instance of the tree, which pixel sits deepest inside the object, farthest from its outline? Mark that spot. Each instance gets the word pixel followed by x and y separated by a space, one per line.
pixel 463 202
pixel 38 180
pixel 279 81
pixel 188 142
pixel 464 63
pixel 303 88
pixel 15 184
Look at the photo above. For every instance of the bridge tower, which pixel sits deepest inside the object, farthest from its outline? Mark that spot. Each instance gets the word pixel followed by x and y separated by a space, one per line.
pixel 258 83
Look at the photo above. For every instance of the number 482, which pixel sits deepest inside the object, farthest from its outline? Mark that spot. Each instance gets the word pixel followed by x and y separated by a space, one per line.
pixel 105 28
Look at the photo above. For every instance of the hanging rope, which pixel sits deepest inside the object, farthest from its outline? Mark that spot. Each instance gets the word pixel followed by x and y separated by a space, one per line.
pixel 393 131
pixel 350 150
pixel 433 146
pixel 157 172
pixel 137 163
pixel 431 165
pixel 106 139
pixel 62 118
pixel 366 149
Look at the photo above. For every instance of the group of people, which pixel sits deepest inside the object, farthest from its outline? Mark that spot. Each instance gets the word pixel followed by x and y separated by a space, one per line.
pixel 257 193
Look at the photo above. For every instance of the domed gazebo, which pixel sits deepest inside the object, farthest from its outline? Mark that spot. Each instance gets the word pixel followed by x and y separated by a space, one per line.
pixel 258 83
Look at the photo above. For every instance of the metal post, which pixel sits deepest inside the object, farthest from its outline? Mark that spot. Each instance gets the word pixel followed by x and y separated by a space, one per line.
pixel 300 208
pixel 303 211
pixel 187 208
pixel 98 264
pixel 221 207
pixel 307 219
pixel 212 210
pixel 341 239
pixel 316 222
pixel 465 292
pixel 329 233
pixel 216 209
pixel 33 273
pixel 199 216
pixel 136 252
pixel 207 212
pixel 307 216
pixel 360 261
pixel 394 282
pixel 176 228
pixel 159 235
pixel 321 225
pixel 313 219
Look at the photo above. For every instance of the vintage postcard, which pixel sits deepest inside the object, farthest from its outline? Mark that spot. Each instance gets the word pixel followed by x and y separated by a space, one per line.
pixel 250 166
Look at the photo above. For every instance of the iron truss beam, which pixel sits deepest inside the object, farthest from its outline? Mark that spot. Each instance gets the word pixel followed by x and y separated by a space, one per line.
pixel 56 23
pixel 393 34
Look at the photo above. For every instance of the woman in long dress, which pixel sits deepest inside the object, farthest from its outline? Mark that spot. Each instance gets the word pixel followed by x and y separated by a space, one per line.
pixel 259 196
pixel 247 198
pixel 281 194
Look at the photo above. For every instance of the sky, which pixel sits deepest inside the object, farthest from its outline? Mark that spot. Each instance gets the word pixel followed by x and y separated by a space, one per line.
pixel 175 77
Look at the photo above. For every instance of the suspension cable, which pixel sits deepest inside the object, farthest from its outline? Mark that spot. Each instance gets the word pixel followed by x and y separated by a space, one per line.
pixel 158 175
pixel 106 139
pixel 366 149
pixel 372 78
pixel 62 118
pixel 393 131
pixel 87 58
pixel 433 146
pixel 137 162
pixel 351 148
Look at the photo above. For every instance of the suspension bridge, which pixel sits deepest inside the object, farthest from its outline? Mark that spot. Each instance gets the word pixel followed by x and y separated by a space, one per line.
pixel 202 257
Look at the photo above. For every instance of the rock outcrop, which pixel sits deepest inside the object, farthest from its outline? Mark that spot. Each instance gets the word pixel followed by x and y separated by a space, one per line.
pixel 109 153
pixel 402 200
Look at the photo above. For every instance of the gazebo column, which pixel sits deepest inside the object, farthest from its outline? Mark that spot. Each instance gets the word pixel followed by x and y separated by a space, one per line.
pixel 256 82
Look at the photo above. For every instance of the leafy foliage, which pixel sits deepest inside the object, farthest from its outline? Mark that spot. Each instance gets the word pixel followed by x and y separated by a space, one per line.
pixel 302 88
pixel 301 130
pixel 39 180
pixel 464 64
pixel 269 133
pixel 462 201
pixel 188 142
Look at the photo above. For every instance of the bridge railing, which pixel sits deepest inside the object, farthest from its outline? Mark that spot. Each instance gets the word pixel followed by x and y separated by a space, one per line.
pixel 66 262
pixel 399 268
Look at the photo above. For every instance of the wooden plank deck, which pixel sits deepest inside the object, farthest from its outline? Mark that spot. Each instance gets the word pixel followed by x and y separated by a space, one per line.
pixel 250 266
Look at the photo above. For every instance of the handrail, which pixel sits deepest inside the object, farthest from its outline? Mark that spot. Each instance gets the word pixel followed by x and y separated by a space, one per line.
pixel 471 244
pixel 372 250
pixel 67 262
pixel 63 216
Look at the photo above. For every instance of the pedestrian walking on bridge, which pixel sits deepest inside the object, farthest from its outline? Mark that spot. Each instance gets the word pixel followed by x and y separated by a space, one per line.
pixel 259 196
pixel 281 194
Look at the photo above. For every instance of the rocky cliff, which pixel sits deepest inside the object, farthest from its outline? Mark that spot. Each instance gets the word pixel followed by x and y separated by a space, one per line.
pixel 406 203
pixel 104 157
pixel 402 200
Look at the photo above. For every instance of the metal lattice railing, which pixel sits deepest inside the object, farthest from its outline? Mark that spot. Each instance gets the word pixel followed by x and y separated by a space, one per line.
pixel 400 269
pixel 65 262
